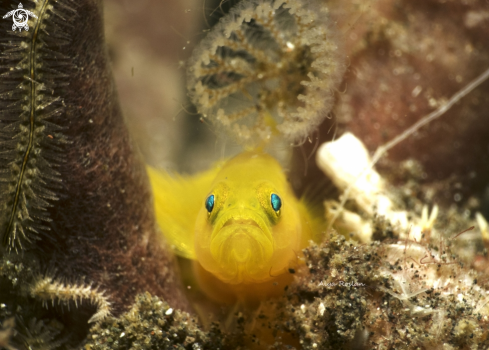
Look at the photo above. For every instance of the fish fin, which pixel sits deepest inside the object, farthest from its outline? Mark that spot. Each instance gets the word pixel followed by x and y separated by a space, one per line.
pixel 177 202
pixel 312 204
pixel 313 222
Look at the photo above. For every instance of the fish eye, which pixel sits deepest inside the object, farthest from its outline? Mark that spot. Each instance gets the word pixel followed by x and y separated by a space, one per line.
pixel 209 203
pixel 276 202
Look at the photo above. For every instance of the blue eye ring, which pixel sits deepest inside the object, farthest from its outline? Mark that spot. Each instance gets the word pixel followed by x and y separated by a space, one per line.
pixel 209 203
pixel 276 202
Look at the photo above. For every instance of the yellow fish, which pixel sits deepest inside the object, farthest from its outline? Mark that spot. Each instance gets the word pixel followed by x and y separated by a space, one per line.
pixel 241 224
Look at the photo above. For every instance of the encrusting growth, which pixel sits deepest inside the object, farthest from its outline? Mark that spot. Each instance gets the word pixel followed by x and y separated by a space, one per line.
pixel 267 67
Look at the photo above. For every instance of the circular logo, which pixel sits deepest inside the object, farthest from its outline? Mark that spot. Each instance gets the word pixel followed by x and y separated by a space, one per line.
pixel 20 17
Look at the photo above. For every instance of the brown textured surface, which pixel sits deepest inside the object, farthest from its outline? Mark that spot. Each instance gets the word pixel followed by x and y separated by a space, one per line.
pixel 397 47
pixel 103 226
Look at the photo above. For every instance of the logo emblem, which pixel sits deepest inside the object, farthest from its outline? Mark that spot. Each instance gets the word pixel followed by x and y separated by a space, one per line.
pixel 20 17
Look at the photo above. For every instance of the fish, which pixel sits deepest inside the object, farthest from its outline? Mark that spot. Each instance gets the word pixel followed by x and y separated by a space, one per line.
pixel 239 222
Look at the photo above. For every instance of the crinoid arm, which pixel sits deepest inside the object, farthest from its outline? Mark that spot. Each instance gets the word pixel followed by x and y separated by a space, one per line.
pixel 47 289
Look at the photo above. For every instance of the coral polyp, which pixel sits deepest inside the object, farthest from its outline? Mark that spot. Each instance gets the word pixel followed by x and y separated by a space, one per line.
pixel 267 67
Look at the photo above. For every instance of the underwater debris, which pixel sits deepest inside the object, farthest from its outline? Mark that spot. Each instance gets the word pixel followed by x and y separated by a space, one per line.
pixel 483 227
pixel 267 66
pixel 384 295
pixel 7 330
pixel 152 324
pixel 347 163
pixel 36 334
pixel 33 335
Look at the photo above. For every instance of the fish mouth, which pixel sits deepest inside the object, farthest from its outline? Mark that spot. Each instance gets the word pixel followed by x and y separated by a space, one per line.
pixel 243 248
pixel 240 222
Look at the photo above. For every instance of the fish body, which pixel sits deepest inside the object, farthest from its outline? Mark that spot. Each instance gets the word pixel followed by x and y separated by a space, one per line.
pixel 240 222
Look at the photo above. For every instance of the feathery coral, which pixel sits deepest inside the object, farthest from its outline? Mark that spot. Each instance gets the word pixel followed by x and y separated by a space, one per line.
pixel 31 142
pixel 268 66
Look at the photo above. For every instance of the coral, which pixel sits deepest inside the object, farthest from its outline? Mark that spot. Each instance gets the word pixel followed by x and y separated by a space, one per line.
pixel 347 163
pixel 30 139
pixel 152 324
pixel 386 295
pixel 267 67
